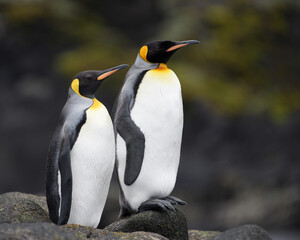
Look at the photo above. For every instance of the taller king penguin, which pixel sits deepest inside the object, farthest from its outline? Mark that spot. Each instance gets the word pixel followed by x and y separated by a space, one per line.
pixel 82 154
pixel 148 120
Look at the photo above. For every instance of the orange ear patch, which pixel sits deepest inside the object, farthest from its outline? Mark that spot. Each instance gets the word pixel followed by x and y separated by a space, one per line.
pixel 75 86
pixel 143 53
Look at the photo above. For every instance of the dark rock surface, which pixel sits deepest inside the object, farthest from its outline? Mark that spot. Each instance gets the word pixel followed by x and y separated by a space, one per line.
pixel 25 216
pixel 246 232
pixel 22 208
pixel 82 232
pixel 45 231
pixel 41 231
pixel 17 196
pixel 106 235
pixel 172 225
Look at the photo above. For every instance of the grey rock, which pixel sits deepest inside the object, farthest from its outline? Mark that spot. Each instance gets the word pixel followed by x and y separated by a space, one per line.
pixel 15 196
pixel 92 233
pixel 81 232
pixel 172 225
pixel 22 208
pixel 106 235
pixel 201 235
pixel 41 231
pixel 27 216
pixel 45 231
pixel 246 232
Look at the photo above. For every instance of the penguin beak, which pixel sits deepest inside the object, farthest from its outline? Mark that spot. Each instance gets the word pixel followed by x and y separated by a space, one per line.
pixel 181 44
pixel 104 74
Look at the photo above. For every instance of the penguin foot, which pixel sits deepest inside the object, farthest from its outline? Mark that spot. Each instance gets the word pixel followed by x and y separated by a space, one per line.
pixel 175 200
pixel 157 205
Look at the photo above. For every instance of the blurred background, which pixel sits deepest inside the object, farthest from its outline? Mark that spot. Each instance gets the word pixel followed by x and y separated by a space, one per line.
pixel 240 160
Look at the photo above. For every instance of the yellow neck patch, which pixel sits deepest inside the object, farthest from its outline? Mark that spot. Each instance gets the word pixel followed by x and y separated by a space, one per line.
pixel 143 53
pixel 162 73
pixel 96 104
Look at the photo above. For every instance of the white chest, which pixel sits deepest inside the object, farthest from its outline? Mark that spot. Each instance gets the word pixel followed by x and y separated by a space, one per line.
pixel 159 97
pixel 95 140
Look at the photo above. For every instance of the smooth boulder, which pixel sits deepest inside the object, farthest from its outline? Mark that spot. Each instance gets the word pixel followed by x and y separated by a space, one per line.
pixel 172 224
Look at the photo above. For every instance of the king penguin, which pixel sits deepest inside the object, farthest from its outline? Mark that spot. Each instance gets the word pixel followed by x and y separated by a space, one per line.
pixel 81 156
pixel 148 121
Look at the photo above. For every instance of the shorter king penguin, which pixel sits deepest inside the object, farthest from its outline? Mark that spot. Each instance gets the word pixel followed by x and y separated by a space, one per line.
pixel 148 120
pixel 81 155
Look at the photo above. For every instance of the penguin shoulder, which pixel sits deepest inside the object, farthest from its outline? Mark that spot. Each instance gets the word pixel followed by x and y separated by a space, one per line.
pixel 96 104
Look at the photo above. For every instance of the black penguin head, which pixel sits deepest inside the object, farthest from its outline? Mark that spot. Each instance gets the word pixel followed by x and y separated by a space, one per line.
pixel 161 51
pixel 86 83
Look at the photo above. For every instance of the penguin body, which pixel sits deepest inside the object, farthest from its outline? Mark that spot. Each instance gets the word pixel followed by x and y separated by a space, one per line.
pixel 148 118
pixel 92 164
pixel 158 113
pixel 81 155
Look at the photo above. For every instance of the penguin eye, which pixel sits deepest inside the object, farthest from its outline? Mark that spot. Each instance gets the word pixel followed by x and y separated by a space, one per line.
pixel 89 78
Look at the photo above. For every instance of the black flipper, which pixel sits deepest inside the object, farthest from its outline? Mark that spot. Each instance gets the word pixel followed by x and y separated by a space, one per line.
pixel 52 183
pixel 64 164
pixel 135 145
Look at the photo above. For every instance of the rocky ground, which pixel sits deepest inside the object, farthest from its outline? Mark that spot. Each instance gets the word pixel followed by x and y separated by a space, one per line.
pixel 25 216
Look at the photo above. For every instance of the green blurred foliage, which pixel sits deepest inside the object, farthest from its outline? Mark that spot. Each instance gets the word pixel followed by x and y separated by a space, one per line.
pixel 247 62
pixel 248 59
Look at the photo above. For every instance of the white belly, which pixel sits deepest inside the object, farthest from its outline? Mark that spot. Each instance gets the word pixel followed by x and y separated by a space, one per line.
pixel 158 112
pixel 92 163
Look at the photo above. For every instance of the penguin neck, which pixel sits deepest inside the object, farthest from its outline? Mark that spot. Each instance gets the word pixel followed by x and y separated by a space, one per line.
pixel 94 102
pixel 162 66
pixel 141 63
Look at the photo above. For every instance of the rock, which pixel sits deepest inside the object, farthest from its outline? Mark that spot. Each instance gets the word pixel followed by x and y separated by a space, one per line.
pixel 22 208
pixel 28 218
pixel 201 235
pixel 14 196
pixel 172 225
pixel 81 232
pixel 106 235
pixel 92 233
pixel 41 231
pixel 45 231
pixel 246 232
pixel 24 211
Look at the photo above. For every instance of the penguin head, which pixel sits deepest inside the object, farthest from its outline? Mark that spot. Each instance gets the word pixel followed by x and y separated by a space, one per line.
pixel 86 83
pixel 161 51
